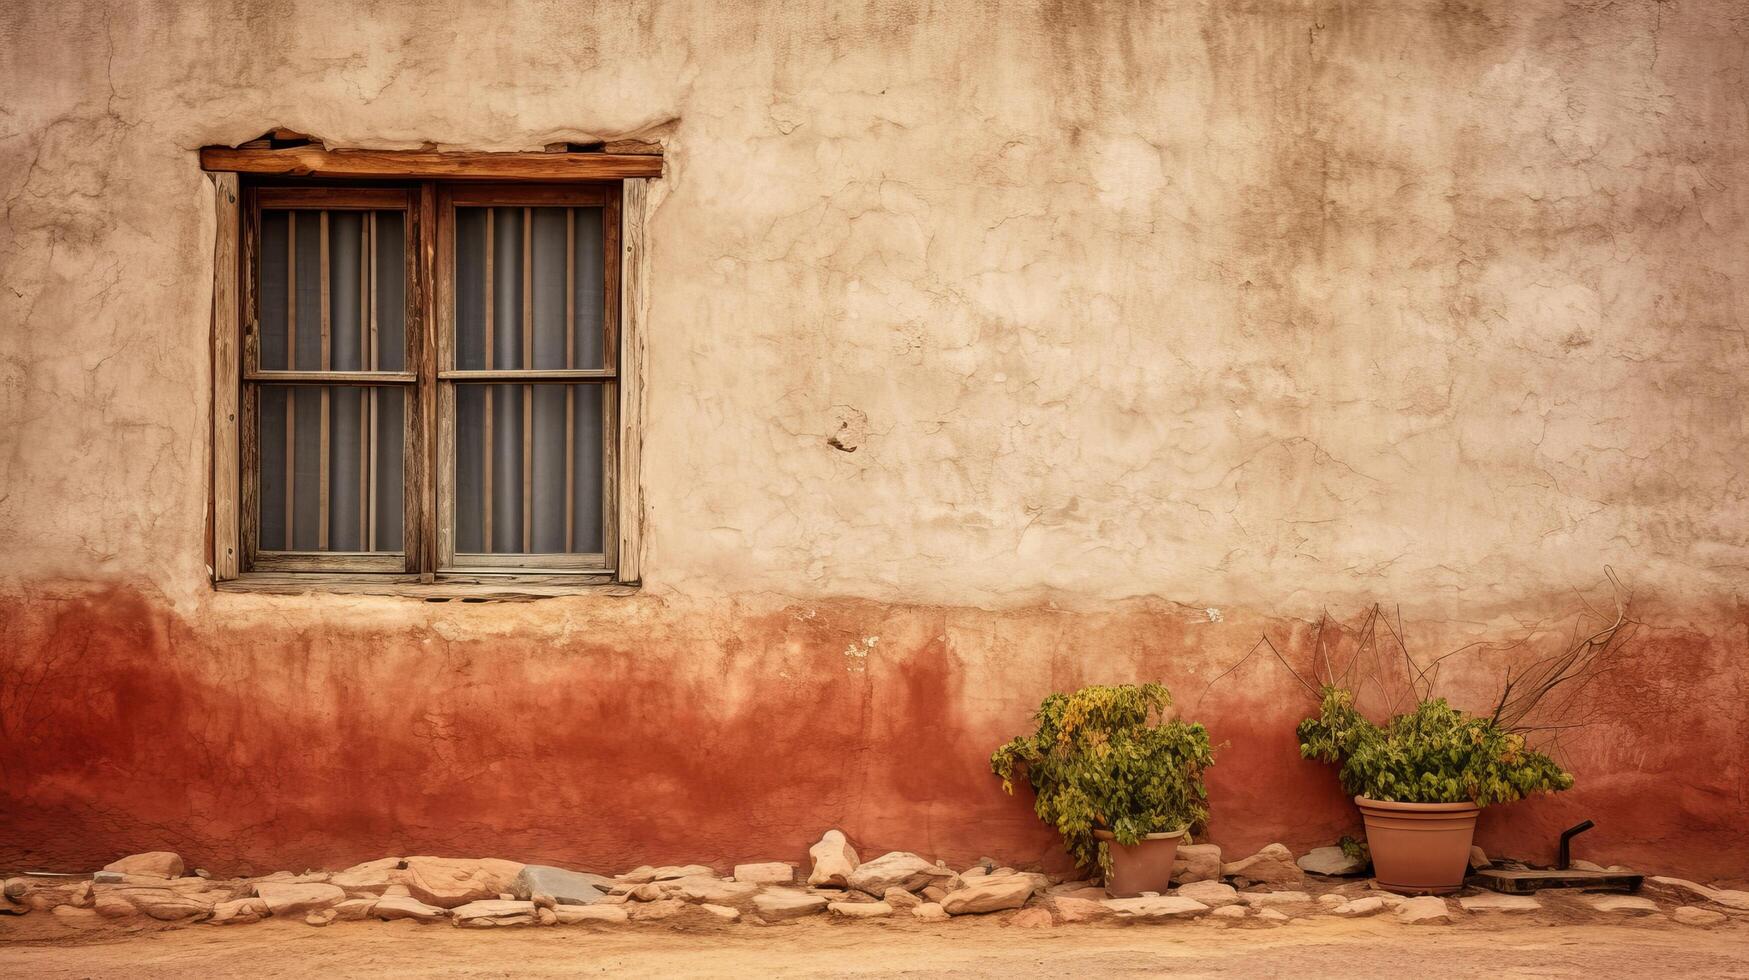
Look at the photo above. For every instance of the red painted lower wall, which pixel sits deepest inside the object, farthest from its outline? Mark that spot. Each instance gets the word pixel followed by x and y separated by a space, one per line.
pixel 276 734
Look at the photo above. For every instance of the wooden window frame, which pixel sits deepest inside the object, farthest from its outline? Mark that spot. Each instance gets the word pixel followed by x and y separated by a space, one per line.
pixel 427 566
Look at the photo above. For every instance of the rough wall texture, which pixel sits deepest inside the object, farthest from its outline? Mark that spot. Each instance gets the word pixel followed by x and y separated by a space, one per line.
pixel 1133 311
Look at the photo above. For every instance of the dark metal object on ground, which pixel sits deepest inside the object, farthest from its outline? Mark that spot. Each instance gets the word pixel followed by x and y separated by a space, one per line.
pixel 1566 860
pixel 1523 881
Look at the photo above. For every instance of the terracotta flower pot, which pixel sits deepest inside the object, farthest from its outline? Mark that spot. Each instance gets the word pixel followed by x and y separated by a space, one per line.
pixel 1145 866
pixel 1419 848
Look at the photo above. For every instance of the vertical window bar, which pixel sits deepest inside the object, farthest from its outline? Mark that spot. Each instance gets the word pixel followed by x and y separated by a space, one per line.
pixel 486 452
pixel 327 365
pixel 370 241
pixel 527 390
pixel 364 357
pixel 291 362
pixel 570 390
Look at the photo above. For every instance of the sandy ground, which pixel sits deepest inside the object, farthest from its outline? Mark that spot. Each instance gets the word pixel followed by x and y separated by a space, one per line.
pixel 1546 945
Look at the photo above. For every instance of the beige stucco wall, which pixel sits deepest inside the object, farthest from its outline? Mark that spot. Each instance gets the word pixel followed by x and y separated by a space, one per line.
pixel 1245 306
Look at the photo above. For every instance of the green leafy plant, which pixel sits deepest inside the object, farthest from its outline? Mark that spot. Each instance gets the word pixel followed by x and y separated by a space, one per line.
pixel 1103 758
pixel 1433 754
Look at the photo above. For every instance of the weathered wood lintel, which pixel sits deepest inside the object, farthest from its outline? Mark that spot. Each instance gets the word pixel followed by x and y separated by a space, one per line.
pixel 315 161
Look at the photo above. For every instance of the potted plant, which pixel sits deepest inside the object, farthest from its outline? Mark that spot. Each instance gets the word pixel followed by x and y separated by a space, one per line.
pixel 1121 783
pixel 1421 779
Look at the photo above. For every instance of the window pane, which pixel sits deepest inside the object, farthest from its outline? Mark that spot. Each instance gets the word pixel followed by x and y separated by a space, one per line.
pixel 366 304
pixel 529 463
pixel 551 255
pixel 331 468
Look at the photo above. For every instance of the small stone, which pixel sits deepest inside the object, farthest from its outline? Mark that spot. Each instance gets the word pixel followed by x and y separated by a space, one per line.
pixel 1155 908
pixel 989 894
pixel 1360 906
pixel 860 910
pixel 543 901
pixel 974 872
pixel 899 898
pixel 1625 904
pixel 599 912
pixel 1479 858
pixel 1274 917
pixel 566 887
pixel 156 864
pixel 1331 861
pixel 545 916
pixel 1033 918
pixel 779 904
pixel 1214 894
pixel 651 911
pixel 833 860
pixel 1586 866
pixel 369 878
pixel 320 917
pixel 493 912
pixel 930 912
pixel 1274 865
pixel 354 909
pixel 895 869
pixel 106 878
pixel 1197 863
pixel 1496 902
pixel 1265 899
pixel 1424 909
pixel 1230 912
pixel 391 907
pixel 240 912
pixel 769 873
pixel 291 900
pixel 723 912
pixel 1070 909
pixel 1688 915
pixel 1331 901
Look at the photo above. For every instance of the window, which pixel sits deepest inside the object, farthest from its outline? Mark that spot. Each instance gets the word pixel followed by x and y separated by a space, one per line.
pixel 430 386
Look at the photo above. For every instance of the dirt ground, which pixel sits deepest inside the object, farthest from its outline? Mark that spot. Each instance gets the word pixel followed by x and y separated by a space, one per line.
pixel 1544 946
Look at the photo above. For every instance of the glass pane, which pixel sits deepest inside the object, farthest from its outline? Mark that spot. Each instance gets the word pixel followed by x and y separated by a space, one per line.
pixel 529 461
pixel 367 302
pixel 331 468
pixel 554 257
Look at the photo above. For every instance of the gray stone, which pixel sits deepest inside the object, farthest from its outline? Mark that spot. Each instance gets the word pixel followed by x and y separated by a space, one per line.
pixel 566 887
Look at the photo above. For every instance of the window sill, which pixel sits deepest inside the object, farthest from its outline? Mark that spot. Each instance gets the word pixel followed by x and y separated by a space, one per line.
pixel 461 588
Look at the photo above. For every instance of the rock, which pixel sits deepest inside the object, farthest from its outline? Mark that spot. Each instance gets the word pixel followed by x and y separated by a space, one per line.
pixel 80 918
pixel 703 889
pixel 650 892
pixel 1681 889
pixel 860 910
pixel 652 911
pixel 488 913
pixel 239 912
pixel 901 899
pixel 1214 894
pixel 545 916
pixel 1196 862
pixel 1360 906
pixel 607 914
pixel 370 878
pixel 354 909
pixel 934 893
pixel 646 874
pixel 320 917
pixel 1033 918
pixel 930 912
pixel 1496 902
pixel 14 888
pixel 1274 917
pixel 1269 899
pixel 722 912
pixel 1331 861
pixel 1155 908
pixel 769 873
pixel 1424 909
pixel 107 877
pixel 391 907
pixel 778 904
pixel 1587 866
pixel 166 904
pixel 977 871
pixel 989 894
pixel 1331 901
pixel 1688 915
pixel 453 882
pixel 1070 909
pixel 1229 912
pixel 896 869
pixel 288 878
pixel 156 864
pixel 1479 858
pixel 833 860
pixel 1625 904
pixel 1274 865
pixel 291 900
